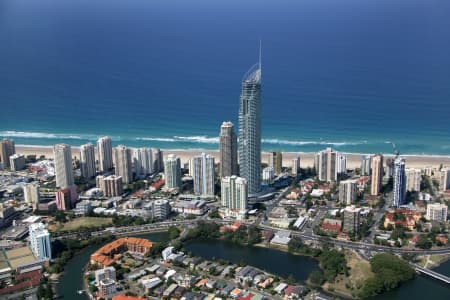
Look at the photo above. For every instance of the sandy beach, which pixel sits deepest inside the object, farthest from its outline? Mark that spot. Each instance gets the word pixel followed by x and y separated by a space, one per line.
pixel 306 159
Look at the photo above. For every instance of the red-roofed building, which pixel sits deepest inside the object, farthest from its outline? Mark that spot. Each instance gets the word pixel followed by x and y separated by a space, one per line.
pixel 233 227
pixel 332 225
pixel 404 217
pixel 125 297
pixel 246 297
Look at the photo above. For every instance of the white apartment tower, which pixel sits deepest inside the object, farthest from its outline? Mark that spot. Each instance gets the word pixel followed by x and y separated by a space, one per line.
pixel 105 156
pixel 341 163
pixel 172 171
pixel 122 163
pixel 40 241
pixel 437 212
pixel 234 193
pixel 63 165
pixel 326 165
pixel 348 191
pixel 296 165
pixel 444 183
pixel 87 161
pixel 143 161
pixel 203 173
pixel 413 179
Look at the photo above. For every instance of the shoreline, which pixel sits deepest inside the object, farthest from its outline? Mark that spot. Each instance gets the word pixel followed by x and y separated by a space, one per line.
pixel 306 158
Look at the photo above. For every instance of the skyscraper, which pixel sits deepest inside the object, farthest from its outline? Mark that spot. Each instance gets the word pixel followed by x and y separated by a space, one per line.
pixel 105 156
pixel 399 182
pixel 203 174
pixel 444 179
pixel 40 241
pixel 413 178
pixel 351 219
pixel 172 171
pixel 325 162
pixel 63 165
pixel 276 161
pixel 122 163
pixel 158 163
pixel 348 191
pixel 143 161
pixel 377 174
pixel 250 128
pixel 234 194
pixel 7 148
pixel 296 165
pixel 365 165
pixel 228 150
pixel 341 163
pixel 87 161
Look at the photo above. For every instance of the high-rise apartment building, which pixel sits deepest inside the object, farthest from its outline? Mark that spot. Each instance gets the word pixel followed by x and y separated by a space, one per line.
pixel 326 165
pixel 351 219
pixel 172 171
pixel 17 162
pixel 111 186
pixel 158 161
pixel 40 241
pixel 122 163
pixel 365 165
pixel 437 212
pixel 234 193
pixel 250 129
pixel 228 150
pixel 203 173
pixel 348 191
pixel 296 165
pixel 377 174
pixel 143 161
pixel 31 193
pixel 87 161
pixel 7 148
pixel 275 161
pixel 389 170
pixel 413 179
pixel 444 179
pixel 63 165
pixel 341 163
pixel 399 182
pixel 105 155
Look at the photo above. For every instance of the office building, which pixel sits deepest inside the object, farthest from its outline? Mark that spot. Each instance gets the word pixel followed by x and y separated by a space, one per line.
pixel 341 163
pixel 105 154
pixel 40 241
pixel 63 165
pixel 7 148
pixel 296 165
pixel 275 161
pixel 250 129
pixel 365 165
pixel 399 182
pixel 111 186
pixel 351 219
pixel 444 179
pixel 348 191
pixel 31 193
pixel 228 150
pixel 203 173
pixel 235 193
pixel 122 163
pixel 437 212
pixel 16 162
pixel 413 179
pixel 172 171
pixel 326 165
pixel 87 161
pixel 377 174
pixel 143 161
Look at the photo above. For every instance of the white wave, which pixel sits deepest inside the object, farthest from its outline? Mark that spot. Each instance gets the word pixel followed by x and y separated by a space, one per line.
pixel 300 143
pixel 198 139
pixel 156 139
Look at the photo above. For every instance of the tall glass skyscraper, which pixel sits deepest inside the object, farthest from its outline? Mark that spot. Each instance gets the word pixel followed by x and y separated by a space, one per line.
pixel 250 128
pixel 399 182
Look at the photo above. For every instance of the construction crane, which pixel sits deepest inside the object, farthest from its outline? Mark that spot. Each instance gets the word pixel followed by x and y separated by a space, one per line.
pixel 396 152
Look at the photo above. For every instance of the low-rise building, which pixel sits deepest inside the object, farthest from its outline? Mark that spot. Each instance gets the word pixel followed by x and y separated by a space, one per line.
pixel 105 273
pixel 437 212
pixel 107 288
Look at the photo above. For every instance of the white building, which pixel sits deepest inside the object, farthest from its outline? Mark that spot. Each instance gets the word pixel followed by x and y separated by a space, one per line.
pixel 341 164
pixel 437 212
pixel 40 241
pixel 87 161
pixel 203 174
pixel 235 193
pixel 444 182
pixel 161 209
pixel 268 173
pixel 105 273
pixel 63 165
pixel 142 161
pixel 348 191
pixel 325 162
pixel 107 288
pixel 413 179
pixel 122 163
pixel 172 171
pixel 296 165
pixel 105 156
pixel 366 162
pixel 31 193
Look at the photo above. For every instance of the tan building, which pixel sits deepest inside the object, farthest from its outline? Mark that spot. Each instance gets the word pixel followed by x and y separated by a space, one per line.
pixel 325 162
pixel 377 174
pixel 437 212
pixel 276 161
pixel 63 165
pixel 348 191
pixel 111 186
pixel 413 179
pixel 7 148
pixel 228 150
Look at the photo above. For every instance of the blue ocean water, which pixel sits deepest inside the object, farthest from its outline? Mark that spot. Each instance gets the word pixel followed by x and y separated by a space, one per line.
pixel 352 74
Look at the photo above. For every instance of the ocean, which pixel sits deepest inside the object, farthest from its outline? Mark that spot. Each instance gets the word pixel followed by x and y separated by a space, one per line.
pixel 355 75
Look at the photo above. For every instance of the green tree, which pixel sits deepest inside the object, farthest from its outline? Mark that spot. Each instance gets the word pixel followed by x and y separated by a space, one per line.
pixel 174 232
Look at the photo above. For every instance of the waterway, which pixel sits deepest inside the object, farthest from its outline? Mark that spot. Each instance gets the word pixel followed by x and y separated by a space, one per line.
pixel 277 262
pixel 72 280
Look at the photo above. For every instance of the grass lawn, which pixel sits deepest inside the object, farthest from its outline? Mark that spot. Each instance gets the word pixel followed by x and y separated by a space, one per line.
pixel 84 222
pixel 359 271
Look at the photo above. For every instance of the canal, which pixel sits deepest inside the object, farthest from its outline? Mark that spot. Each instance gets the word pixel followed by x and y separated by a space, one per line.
pixel 277 262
